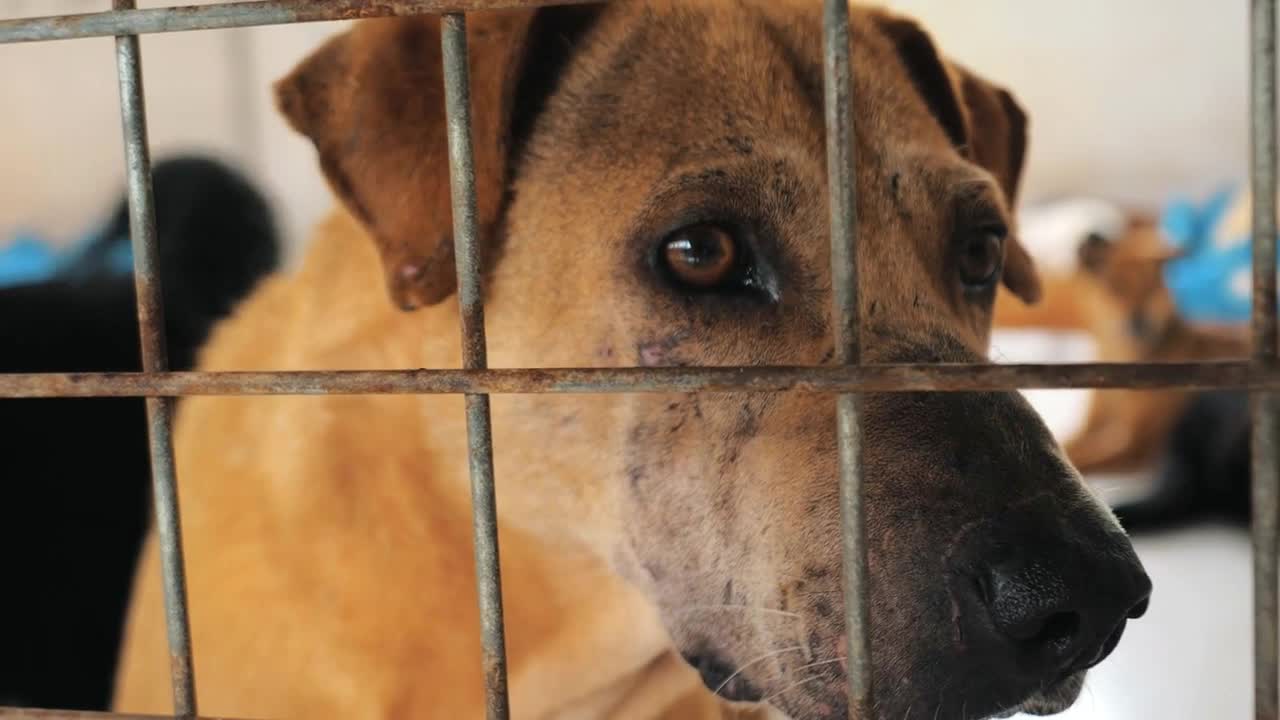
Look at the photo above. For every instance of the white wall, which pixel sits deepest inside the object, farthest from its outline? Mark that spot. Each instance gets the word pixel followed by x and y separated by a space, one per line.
pixel 1130 99
pixel 61 160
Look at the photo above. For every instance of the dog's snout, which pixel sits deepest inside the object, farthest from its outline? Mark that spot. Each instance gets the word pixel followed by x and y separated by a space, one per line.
pixel 1054 600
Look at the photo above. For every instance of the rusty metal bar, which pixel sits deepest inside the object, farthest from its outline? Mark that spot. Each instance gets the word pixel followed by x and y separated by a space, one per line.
pixel 15 713
pixel 151 328
pixel 511 381
pixel 1263 167
pixel 238 14
pixel 1266 482
pixel 842 185
pixel 469 258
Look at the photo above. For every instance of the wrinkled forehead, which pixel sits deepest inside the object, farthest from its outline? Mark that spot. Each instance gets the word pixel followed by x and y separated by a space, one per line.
pixel 681 77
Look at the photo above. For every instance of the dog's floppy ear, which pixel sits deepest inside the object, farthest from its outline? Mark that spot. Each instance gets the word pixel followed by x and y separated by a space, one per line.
pixel 372 102
pixel 983 121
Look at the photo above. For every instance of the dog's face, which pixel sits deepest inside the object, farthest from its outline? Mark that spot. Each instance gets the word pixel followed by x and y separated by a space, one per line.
pixel 653 178
pixel 1131 269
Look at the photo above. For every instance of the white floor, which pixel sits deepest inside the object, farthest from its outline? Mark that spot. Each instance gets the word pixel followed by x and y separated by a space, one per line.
pixel 1190 657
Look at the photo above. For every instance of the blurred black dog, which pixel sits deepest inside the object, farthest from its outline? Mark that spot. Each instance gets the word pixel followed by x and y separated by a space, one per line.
pixel 75 487
pixel 1204 471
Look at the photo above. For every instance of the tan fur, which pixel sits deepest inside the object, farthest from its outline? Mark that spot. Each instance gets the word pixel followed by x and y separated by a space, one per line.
pixel 279 545
pixel 328 538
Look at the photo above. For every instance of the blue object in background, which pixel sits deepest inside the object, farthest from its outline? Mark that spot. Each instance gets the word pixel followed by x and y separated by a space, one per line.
pixel 1211 279
pixel 28 259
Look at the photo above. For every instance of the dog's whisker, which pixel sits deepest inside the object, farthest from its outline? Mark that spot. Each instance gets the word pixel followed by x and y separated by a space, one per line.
pixel 744 608
pixel 818 664
pixel 755 661
pixel 789 688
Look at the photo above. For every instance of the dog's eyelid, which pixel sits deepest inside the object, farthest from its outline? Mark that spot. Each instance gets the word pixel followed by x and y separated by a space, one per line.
pixel 983 215
pixel 978 195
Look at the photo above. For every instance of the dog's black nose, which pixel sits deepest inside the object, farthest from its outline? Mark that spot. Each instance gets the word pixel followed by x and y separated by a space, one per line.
pixel 1057 623
pixel 1056 591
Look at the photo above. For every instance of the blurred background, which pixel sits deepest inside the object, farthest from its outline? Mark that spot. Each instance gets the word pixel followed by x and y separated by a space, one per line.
pixel 1129 101
pixel 1134 105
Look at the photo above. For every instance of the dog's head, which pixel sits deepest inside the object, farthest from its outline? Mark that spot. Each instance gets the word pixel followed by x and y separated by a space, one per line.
pixel 1130 267
pixel 652 179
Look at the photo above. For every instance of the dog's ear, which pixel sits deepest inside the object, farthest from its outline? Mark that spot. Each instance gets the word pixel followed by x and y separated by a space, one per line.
pixel 372 102
pixel 983 121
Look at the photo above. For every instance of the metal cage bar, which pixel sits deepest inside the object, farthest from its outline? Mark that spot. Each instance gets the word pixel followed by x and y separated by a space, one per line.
pixel 468 255
pixel 1265 482
pixel 958 377
pixel 238 14
pixel 842 184
pixel 151 330
pixel 32 714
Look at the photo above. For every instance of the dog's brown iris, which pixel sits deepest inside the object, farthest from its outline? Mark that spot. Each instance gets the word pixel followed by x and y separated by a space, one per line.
pixel 701 256
pixel 980 256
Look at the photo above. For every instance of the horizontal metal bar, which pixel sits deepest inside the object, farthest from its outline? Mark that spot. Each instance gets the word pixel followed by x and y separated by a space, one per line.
pixel 239 14
pixel 825 379
pixel 13 713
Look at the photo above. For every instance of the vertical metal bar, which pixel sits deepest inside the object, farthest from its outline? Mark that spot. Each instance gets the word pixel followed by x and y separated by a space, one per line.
pixel 151 329
pixel 1263 127
pixel 844 282
pixel 469 257
pixel 1266 482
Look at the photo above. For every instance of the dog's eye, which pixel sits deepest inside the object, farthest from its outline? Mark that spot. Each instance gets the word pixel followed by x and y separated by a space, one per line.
pixel 702 257
pixel 981 257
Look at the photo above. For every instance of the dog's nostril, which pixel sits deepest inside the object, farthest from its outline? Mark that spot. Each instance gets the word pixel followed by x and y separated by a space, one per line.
pixel 1112 641
pixel 1058 632
pixel 1140 609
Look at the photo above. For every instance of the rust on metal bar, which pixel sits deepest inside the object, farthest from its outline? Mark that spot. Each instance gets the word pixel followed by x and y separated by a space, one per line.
pixel 828 379
pixel 15 713
pixel 1263 171
pixel 468 256
pixel 1266 480
pixel 142 228
pixel 238 14
pixel 842 185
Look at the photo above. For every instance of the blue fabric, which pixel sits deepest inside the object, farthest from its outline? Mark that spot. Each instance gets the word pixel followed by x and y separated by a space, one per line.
pixel 28 259
pixel 1208 281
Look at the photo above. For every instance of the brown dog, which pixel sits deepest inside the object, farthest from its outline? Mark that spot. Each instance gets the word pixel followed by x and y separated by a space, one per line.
pixel 652 177
pixel 1117 295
